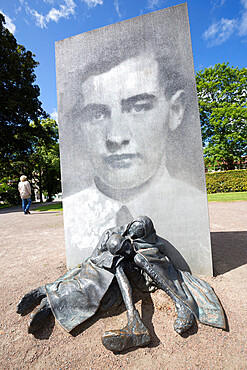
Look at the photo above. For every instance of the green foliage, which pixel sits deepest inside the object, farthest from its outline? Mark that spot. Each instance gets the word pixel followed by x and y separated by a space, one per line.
pixel 9 192
pixel 19 104
pixel 226 181
pixel 222 93
pixel 25 148
pixel 45 158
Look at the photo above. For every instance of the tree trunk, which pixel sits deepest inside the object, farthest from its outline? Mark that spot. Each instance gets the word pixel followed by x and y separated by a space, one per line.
pixel 49 185
pixel 40 184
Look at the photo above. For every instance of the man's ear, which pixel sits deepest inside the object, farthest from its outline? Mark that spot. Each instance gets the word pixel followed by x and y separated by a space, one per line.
pixel 177 107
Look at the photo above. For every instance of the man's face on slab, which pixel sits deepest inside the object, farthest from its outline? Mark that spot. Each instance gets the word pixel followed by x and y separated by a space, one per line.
pixel 125 119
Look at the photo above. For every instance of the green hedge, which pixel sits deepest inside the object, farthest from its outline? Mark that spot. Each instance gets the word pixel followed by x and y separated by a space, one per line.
pixel 226 181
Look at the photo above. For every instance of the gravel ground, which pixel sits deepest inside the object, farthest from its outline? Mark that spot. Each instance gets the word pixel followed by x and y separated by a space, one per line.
pixel 32 253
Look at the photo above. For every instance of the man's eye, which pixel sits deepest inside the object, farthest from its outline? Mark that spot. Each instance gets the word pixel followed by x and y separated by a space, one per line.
pixel 99 113
pixel 96 112
pixel 138 103
pixel 142 107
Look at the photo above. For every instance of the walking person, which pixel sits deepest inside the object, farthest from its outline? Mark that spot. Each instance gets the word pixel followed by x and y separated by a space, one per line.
pixel 24 188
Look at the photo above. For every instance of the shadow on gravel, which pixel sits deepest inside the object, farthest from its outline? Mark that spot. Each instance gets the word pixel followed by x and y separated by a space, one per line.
pixel 229 250
pixel 46 331
pixel 11 210
pixel 46 212
pixel 147 311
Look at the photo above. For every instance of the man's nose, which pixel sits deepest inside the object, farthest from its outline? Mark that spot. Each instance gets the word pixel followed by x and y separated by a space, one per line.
pixel 115 143
pixel 118 134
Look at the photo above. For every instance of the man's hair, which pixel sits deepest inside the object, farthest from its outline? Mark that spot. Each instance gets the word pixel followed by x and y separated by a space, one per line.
pixel 23 178
pixel 172 75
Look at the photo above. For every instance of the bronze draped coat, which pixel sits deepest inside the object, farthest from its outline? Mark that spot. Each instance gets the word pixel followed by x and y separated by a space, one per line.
pixel 78 294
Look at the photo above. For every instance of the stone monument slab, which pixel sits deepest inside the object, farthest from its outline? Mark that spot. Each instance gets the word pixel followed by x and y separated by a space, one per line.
pixel 130 136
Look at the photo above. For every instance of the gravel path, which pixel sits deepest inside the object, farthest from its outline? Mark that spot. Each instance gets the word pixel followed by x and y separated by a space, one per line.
pixel 32 252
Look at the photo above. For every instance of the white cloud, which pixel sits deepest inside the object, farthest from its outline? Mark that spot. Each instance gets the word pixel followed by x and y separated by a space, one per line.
pixel 219 32
pixel 64 11
pixel 243 20
pixel 153 3
pixel 93 3
pixel 9 23
pixel 217 3
pixel 54 114
pixel 116 5
pixel 40 19
pixel 17 10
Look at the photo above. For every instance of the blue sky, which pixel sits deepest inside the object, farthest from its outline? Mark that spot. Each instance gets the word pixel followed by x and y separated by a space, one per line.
pixel 218 30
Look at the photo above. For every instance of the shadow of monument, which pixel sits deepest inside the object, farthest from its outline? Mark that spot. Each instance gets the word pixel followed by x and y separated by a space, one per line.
pixel 228 250
pixel 147 311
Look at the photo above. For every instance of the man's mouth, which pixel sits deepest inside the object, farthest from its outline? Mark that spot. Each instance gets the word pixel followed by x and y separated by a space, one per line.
pixel 118 161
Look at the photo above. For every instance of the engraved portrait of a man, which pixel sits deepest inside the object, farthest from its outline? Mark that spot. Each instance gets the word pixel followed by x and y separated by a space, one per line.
pixel 119 110
pixel 129 121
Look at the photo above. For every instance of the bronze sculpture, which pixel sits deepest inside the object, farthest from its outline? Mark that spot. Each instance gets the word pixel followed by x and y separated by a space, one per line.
pixel 130 253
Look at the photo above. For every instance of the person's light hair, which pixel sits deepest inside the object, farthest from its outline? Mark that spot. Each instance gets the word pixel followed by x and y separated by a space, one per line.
pixel 23 178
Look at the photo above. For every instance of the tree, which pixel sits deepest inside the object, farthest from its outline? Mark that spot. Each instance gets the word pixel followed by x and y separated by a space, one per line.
pixel 45 158
pixel 42 165
pixel 222 92
pixel 19 104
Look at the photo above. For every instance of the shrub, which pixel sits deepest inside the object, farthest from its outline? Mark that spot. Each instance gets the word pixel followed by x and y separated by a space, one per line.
pixel 9 192
pixel 226 181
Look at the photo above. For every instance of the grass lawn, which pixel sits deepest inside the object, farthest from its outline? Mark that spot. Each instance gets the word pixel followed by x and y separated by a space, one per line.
pixel 216 197
pixel 227 197
pixel 51 207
